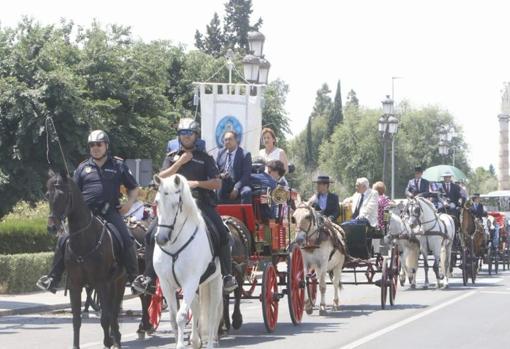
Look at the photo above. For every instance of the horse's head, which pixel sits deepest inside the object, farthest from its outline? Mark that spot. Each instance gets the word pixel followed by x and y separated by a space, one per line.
pixel 173 194
pixel 413 212
pixel 59 198
pixel 306 220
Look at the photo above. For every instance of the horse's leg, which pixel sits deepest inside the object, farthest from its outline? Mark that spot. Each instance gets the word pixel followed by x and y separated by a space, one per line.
pixel 170 295
pixel 403 266
pixel 237 317
pixel 75 294
pixel 196 330
pixel 322 289
pixel 188 294
pixel 105 295
pixel 226 313
pixel 425 254
pixel 144 325
pixel 118 294
pixel 337 284
pixel 445 260
pixel 214 311
pixel 308 301
pixel 437 261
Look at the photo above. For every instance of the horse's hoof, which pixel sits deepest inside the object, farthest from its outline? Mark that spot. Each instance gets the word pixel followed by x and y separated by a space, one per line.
pixel 237 322
pixel 413 286
pixel 141 335
pixel 323 312
pixel 336 307
pixel 309 309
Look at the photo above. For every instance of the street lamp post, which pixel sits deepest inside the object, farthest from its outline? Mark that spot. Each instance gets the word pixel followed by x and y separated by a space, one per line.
pixel 388 127
pixel 446 134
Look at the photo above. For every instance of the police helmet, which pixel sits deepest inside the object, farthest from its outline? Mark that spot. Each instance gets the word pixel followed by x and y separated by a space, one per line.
pixel 98 136
pixel 188 124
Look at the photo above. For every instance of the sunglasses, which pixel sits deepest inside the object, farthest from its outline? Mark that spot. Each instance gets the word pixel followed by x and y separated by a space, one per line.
pixel 95 144
pixel 185 132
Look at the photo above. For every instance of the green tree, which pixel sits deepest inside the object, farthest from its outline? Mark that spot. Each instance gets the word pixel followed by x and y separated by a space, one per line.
pixel 274 114
pixel 237 23
pixel 213 42
pixel 323 104
pixel 309 144
pixel 352 100
pixel 336 115
pixel 482 181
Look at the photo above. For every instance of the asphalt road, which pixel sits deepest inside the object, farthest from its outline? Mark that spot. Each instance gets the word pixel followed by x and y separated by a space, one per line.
pixel 459 317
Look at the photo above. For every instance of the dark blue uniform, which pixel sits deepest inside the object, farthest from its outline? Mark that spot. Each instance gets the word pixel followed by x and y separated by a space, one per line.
pixel 100 187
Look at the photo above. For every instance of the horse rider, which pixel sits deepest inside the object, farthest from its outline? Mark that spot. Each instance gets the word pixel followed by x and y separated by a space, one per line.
pixel 323 200
pixel 365 201
pixel 99 179
pixel 202 174
pixel 477 208
pixel 418 184
pixel 234 164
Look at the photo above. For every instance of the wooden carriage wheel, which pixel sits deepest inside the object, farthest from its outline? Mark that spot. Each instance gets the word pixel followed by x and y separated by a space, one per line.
pixel 296 285
pixel 393 274
pixel 269 297
pixel 384 283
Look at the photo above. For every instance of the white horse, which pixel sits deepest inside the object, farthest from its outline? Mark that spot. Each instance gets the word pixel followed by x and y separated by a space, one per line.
pixel 436 233
pixel 182 255
pixel 409 246
pixel 323 246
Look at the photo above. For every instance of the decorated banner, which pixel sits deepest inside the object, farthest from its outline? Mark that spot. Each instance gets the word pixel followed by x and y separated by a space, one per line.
pixel 235 107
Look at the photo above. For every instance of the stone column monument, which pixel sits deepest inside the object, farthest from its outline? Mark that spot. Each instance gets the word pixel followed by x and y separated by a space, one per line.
pixel 504 117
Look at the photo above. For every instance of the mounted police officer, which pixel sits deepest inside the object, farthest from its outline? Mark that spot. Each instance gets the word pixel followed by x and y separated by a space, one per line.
pixel 99 179
pixel 200 170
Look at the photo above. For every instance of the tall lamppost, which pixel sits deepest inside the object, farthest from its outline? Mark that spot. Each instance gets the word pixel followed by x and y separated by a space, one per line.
pixel 388 127
pixel 446 134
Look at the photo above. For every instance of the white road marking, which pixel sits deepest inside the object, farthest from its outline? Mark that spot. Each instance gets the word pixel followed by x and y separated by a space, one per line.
pixel 393 327
pixel 496 292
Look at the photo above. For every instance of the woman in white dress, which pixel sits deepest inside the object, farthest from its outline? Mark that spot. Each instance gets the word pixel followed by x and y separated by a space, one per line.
pixel 270 150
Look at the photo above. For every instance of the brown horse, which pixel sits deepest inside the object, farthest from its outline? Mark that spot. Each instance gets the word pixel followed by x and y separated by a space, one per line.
pixel 472 229
pixel 90 259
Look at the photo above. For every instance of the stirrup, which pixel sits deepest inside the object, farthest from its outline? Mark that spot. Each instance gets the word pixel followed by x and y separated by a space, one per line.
pixel 45 283
pixel 143 285
pixel 229 284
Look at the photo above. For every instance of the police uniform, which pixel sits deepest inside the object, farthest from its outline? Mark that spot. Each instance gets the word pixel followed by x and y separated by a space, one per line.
pixel 100 187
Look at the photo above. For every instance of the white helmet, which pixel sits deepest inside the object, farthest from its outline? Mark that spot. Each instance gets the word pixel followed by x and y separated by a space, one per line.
pixel 98 136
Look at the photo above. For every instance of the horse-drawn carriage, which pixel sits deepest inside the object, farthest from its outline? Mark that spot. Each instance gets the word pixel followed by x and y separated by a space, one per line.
pixel 261 243
pixel 498 249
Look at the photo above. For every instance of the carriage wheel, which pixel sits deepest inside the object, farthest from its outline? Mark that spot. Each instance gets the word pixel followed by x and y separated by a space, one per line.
pixel 465 267
pixel 269 297
pixel 384 283
pixel 311 287
pixel 156 306
pixel 393 275
pixel 296 285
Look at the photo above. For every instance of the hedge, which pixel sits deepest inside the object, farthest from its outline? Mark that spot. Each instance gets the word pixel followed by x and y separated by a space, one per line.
pixel 20 272
pixel 25 236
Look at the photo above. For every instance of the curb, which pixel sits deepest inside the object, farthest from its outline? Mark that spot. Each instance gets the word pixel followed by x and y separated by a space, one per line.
pixel 43 308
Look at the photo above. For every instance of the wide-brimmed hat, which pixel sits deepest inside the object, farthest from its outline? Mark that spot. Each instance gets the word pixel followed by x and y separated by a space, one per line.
pixel 447 173
pixel 323 179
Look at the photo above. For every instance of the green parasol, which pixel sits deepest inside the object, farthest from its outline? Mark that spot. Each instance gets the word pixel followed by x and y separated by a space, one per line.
pixel 435 173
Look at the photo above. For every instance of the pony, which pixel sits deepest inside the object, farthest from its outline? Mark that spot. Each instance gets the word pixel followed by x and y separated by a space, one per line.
pixel 435 232
pixel 409 246
pixel 323 246
pixel 89 257
pixel 472 231
pixel 182 255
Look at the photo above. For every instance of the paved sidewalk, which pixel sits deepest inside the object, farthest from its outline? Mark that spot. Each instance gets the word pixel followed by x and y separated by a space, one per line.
pixel 38 302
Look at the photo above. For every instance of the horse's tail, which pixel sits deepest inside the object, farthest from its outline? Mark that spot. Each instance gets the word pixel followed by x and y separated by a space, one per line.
pixel 211 307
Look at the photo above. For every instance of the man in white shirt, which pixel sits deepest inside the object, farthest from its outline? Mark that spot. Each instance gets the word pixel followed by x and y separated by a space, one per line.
pixel 364 204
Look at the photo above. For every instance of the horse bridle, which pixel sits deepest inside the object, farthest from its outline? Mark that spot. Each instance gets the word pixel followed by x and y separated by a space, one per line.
pixel 435 219
pixel 171 227
pixel 313 222
pixel 68 208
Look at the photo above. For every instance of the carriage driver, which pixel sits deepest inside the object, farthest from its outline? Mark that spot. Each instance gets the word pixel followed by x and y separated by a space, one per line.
pixel 99 179
pixel 202 174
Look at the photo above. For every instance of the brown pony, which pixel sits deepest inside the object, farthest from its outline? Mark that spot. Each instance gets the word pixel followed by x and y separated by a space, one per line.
pixel 471 229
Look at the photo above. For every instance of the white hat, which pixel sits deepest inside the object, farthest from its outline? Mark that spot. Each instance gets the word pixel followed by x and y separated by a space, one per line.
pixel 447 173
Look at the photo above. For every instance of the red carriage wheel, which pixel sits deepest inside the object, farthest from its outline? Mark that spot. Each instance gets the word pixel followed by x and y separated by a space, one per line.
pixel 156 306
pixel 269 297
pixel 296 285
pixel 384 283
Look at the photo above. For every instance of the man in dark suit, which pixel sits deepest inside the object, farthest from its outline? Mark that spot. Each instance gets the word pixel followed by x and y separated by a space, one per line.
pixel 234 164
pixel 324 201
pixel 417 185
pixel 477 208
pixel 451 190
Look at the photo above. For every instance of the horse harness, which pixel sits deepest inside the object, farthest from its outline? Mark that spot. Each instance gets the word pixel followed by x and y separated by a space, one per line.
pixel 432 232
pixel 175 255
